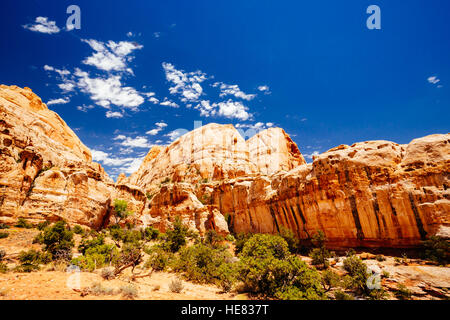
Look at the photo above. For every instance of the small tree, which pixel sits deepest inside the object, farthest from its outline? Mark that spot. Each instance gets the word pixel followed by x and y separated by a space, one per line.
pixel 176 237
pixel 120 209
pixel 320 254
pixel 58 240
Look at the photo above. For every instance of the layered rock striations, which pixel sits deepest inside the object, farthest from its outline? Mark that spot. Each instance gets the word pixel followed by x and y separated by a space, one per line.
pixel 370 194
pixel 45 170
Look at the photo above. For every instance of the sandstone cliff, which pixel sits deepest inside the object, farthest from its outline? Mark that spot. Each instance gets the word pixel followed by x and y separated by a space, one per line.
pixel 45 170
pixel 370 194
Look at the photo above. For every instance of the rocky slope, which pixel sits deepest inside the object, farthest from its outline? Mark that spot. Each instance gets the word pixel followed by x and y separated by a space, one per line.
pixel 370 194
pixel 45 170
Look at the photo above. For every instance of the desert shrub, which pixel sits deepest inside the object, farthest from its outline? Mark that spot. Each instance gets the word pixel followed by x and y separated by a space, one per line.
pixel 213 239
pixel 330 279
pixel 125 235
pixel 57 240
pixel 292 241
pixel 266 267
pixel 202 263
pixel 357 270
pixel 385 274
pixel 31 259
pixel 341 295
pixel 42 225
pixel 261 246
pixel 99 289
pixel 2 254
pixel 22 223
pixel 320 254
pixel 402 292
pixel 96 254
pixel 159 259
pixel 4 226
pixel 230 238
pixel 129 291
pixel 437 249
pixel 176 236
pixel 4 235
pixel 241 239
pixel 176 286
pixel 78 229
pixel 377 294
pixel 226 276
pixel 3 267
pixel 380 258
pixel 107 273
pixel 151 233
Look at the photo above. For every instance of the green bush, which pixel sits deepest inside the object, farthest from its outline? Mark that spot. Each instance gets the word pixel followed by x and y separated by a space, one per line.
pixel 341 295
pixel 4 235
pixel 95 253
pixel 22 223
pixel 58 240
pixel 241 239
pixel 176 286
pixel 159 259
pixel 437 249
pixel 151 233
pixel 357 269
pixel 4 226
pixel 176 236
pixel 330 279
pixel 31 259
pixel 3 267
pixel 213 239
pixel 292 241
pixel 202 263
pixel 78 230
pixel 320 254
pixel 266 267
pixel 42 225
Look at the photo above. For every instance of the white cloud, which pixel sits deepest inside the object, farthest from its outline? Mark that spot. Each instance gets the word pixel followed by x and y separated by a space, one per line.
pixel 233 89
pixel 229 109
pixel 62 73
pixel 169 103
pixel 255 126
pixel 111 56
pixel 127 165
pixel 159 127
pixel 85 108
pixel 43 25
pixel 138 142
pixel 58 101
pixel 433 80
pixel 186 84
pixel 107 91
pixel 116 115
pixel 175 134
pixel 157 34
pixel 263 88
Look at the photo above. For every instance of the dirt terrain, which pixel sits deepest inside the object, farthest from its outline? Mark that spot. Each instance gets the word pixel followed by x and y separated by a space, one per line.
pixel 55 282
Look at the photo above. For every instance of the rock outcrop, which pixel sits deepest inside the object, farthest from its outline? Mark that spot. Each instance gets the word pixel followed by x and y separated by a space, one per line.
pixel 370 194
pixel 45 170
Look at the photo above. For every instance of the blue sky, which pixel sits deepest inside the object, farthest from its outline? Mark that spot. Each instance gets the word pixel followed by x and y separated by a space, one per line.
pixel 137 71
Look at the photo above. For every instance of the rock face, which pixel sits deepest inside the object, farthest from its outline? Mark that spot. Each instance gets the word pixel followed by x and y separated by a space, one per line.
pixel 45 170
pixel 370 194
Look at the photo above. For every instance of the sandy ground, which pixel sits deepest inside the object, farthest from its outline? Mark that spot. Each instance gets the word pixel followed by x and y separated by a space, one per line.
pixel 55 283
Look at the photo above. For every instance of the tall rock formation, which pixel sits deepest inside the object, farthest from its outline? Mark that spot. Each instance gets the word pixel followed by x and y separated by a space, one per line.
pixel 45 170
pixel 370 194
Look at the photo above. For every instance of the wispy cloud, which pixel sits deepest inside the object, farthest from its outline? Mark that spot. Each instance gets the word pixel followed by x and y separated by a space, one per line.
pixel 111 56
pixel 43 25
pixel 159 127
pixel 229 109
pixel 116 115
pixel 58 101
pixel 233 89
pixel 137 142
pixel 185 84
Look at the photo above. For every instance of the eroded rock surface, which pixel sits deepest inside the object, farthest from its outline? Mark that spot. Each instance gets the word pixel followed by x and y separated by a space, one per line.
pixel 45 170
